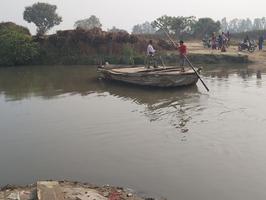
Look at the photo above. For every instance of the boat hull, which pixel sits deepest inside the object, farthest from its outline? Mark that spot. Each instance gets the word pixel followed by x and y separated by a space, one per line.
pixel 159 77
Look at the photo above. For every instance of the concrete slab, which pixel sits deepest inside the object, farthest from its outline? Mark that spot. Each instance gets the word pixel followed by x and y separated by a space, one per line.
pixel 49 190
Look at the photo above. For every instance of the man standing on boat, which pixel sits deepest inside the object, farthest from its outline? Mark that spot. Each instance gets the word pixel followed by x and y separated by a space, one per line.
pixel 182 48
pixel 151 55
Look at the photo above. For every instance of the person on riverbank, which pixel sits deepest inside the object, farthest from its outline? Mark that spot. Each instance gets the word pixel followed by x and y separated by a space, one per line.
pixel 224 42
pixel 151 55
pixel 220 42
pixel 261 40
pixel 213 41
pixel 182 48
pixel 228 35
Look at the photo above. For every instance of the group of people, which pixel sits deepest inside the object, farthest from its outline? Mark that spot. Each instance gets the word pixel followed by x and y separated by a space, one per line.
pixel 220 42
pixel 151 58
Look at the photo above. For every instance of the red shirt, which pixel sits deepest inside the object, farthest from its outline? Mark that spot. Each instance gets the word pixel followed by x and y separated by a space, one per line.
pixel 182 49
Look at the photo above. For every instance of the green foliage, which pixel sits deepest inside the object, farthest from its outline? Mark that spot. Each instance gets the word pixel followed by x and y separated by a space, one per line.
pixel 183 25
pixel 43 15
pixel 176 25
pixel 88 24
pixel 14 27
pixel 145 28
pixel 166 21
pixel 16 48
pixel 206 26
pixel 128 54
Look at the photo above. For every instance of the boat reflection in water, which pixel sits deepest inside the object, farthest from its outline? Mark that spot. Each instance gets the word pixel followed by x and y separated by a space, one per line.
pixel 172 105
pixel 175 105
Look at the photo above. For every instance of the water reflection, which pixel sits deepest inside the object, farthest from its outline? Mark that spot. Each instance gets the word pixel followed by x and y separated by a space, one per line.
pixel 225 72
pixel 52 82
pixel 176 106
pixel 48 82
pixel 172 105
pixel 119 145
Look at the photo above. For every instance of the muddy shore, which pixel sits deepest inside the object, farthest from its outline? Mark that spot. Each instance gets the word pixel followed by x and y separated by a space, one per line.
pixel 66 190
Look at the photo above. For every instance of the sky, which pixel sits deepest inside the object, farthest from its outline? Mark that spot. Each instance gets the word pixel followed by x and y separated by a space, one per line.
pixel 124 14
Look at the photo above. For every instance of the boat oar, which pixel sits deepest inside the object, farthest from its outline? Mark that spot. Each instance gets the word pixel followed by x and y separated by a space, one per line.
pixel 190 64
pixel 196 73
pixel 162 61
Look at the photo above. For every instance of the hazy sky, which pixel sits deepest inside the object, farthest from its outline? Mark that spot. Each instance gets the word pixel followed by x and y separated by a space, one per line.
pixel 126 13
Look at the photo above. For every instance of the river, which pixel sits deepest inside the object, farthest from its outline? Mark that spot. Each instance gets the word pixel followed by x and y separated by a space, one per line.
pixel 61 122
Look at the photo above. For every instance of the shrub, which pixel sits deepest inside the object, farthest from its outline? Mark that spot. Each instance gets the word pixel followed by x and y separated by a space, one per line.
pixel 17 48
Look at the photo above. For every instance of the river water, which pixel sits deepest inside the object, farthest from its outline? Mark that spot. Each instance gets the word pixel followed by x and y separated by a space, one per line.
pixel 61 122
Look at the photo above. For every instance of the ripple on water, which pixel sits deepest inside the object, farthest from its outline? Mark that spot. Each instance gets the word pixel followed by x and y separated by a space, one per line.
pixel 201 143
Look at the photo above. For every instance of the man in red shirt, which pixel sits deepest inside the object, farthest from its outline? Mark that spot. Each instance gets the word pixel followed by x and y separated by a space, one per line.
pixel 182 52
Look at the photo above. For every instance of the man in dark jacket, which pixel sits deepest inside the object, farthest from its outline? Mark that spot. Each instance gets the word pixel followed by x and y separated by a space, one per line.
pixel 261 40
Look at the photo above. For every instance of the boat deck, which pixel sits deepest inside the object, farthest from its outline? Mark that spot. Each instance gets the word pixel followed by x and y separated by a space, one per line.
pixel 159 70
pixel 157 77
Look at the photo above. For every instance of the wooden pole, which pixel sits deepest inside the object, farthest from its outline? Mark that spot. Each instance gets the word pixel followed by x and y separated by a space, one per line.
pixel 190 64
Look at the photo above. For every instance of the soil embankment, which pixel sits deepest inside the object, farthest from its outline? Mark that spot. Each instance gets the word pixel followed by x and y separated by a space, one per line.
pixel 199 54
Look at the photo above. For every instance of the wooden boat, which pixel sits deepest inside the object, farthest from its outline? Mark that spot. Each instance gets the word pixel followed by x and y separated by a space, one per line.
pixel 156 77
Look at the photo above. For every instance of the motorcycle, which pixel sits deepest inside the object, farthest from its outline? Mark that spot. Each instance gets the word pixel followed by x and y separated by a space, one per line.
pixel 206 43
pixel 249 46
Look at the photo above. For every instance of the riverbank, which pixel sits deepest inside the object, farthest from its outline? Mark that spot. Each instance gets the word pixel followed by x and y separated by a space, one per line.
pixel 95 46
pixel 131 50
pixel 60 190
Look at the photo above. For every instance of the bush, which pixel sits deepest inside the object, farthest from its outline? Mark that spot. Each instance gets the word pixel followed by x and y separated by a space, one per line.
pixel 14 27
pixel 17 48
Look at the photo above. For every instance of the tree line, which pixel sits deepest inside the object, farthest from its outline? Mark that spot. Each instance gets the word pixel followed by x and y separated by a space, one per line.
pixel 179 26
pixel 44 16
pixel 18 46
pixel 198 27
pixel 243 25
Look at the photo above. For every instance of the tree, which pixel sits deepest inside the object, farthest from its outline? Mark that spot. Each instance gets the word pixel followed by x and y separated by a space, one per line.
pixel 224 24
pixel 166 22
pixel 263 23
pixel 176 25
pixel 206 26
pixel 183 25
pixel 89 23
pixel 244 25
pixel 145 28
pixel 43 15
pixel 17 47
pixel 257 24
pixel 249 25
pixel 233 25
